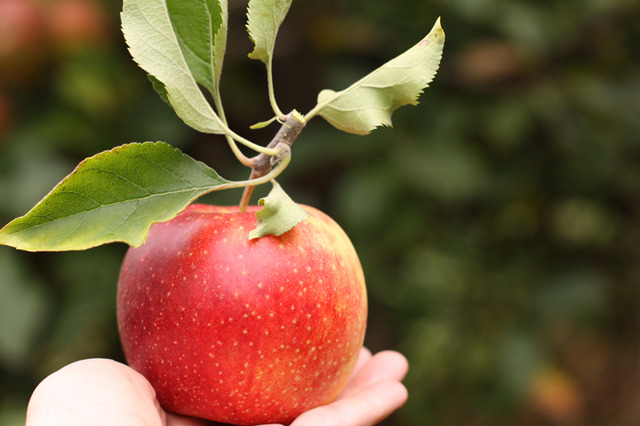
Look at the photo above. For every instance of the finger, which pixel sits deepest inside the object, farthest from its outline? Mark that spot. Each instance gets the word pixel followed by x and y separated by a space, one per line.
pixel 386 365
pixel 363 359
pixel 94 392
pixel 367 407
pixel 176 420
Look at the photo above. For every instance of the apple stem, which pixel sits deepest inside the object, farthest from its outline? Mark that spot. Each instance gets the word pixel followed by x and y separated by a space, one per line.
pixel 293 124
pixel 246 193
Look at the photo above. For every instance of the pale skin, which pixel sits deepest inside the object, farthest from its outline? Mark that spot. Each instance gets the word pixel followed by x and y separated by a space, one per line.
pixel 105 392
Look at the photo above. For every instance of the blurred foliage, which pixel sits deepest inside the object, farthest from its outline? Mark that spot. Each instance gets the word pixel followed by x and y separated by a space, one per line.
pixel 497 222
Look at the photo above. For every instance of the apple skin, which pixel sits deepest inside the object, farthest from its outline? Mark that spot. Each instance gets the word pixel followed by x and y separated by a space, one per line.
pixel 242 331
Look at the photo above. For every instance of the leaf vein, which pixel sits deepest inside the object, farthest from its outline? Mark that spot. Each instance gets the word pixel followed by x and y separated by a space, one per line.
pixel 105 205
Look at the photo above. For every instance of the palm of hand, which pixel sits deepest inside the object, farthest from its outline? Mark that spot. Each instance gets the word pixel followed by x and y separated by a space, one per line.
pixel 101 391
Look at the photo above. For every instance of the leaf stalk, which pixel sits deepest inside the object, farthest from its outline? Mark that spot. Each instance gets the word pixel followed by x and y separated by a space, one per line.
pixel 272 96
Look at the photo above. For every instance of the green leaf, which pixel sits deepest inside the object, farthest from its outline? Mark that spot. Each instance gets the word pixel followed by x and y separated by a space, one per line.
pixel 173 41
pixel 159 88
pixel 195 24
pixel 263 124
pixel 113 196
pixel 369 102
pixel 264 20
pixel 278 215
pixel 220 43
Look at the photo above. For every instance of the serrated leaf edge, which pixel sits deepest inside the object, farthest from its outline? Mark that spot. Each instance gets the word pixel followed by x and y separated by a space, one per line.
pixel 9 239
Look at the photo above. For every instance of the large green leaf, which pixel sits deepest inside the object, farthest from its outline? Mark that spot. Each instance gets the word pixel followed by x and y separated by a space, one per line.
pixel 369 102
pixel 174 41
pixel 113 196
pixel 264 20
pixel 220 42
pixel 196 24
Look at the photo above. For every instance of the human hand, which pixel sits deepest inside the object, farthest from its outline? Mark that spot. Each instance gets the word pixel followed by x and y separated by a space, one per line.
pixel 105 392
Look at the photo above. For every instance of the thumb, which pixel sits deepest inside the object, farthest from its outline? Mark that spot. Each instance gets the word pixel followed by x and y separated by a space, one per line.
pixel 95 392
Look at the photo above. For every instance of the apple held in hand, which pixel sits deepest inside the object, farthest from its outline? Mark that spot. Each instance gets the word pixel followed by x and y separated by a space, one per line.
pixel 242 331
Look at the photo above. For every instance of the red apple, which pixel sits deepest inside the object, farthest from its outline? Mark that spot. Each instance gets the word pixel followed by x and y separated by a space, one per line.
pixel 242 331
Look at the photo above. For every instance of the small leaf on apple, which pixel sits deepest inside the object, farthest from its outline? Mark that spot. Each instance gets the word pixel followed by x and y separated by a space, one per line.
pixel 264 18
pixel 174 42
pixel 113 196
pixel 369 102
pixel 278 215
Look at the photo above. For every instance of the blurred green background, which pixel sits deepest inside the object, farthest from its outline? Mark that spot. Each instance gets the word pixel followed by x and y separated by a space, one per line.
pixel 498 222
